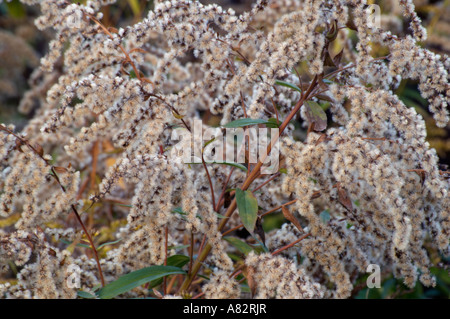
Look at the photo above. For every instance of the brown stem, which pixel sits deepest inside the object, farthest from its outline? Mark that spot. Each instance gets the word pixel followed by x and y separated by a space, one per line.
pixel 198 296
pixel 300 81
pixel 266 182
pixel 93 174
pixel 353 65
pixel 250 178
pixel 237 271
pixel 191 253
pixel 291 244
pixel 91 242
pixel 127 56
pixel 171 283
pixel 224 189
pixel 166 239
pixel 275 110
pixel 210 182
pixel 202 244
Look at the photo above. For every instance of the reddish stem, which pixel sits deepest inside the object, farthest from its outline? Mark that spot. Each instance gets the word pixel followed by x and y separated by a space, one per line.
pixel 291 244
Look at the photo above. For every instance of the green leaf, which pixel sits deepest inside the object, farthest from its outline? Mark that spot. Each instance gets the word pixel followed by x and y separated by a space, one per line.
pixel 183 214
pixel 338 57
pixel 204 277
pixel 325 105
pixel 85 295
pixel 326 81
pixel 237 165
pixel 176 261
pixel 316 115
pixel 328 60
pixel 89 246
pixel 96 287
pixel 245 288
pixel 133 75
pixel 67 242
pixel 109 243
pixel 325 216
pixel 220 216
pixel 209 142
pixel 135 279
pixel 245 122
pixel 273 123
pixel 124 205
pixel 289 85
pixel 135 7
pixel 332 33
pixel 16 9
pixel 415 95
pixel 239 244
pixel 178 210
pixel 260 248
pixel 248 208
pixel 235 257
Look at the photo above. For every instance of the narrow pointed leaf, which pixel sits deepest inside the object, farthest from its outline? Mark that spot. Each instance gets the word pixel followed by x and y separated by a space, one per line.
pixel 179 210
pixel 325 217
pixel 209 142
pixel 39 149
pixel 85 295
pixel 177 116
pixel 248 208
pixel 328 60
pixel 60 169
pixel 289 85
pixel 338 57
pixel 109 243
pixel 316 115
pixel 220 216
pixel 344 199
pixel 259 230
pixel 176 261
pixel 237 165
pixel 135 279
pixel 290 217
pixel 249 273
pixel 332 33
pixel 245 122
pixel 239 245
pixel 135 7
pixel 273 123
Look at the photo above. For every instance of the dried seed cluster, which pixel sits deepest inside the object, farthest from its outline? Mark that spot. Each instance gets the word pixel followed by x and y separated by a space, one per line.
pixel 109 101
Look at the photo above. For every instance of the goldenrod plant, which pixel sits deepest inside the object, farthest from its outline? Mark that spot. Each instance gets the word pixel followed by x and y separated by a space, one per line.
pixel 123 182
